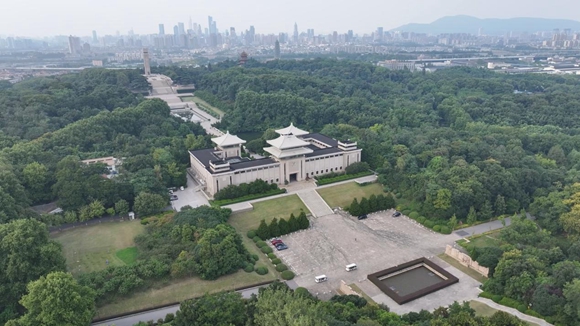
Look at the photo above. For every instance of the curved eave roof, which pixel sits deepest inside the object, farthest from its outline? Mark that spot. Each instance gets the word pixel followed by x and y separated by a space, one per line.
pixel 287 141
pixel 228 140
pixel 291 130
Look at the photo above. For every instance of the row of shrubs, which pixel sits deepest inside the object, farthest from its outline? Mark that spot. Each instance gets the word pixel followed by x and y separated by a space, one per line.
pixel 208 110
pixel 283 269
pixel 223 202
pixel 437 226
pixel 280 227
pixel 340 177
pixel 509 302
pixel 255 187
pixel 373 204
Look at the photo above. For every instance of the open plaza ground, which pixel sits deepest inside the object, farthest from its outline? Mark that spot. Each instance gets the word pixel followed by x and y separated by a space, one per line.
pixel 376 243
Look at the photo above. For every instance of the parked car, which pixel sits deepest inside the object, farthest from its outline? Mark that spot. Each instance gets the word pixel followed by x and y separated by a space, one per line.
pixel 173 197
pixel 362 217
pixel 281 246
pixel 396 214
pixel 274 242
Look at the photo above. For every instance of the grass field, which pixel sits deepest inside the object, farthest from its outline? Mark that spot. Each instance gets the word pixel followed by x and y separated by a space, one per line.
pixel 179 290
pixel 489 239
pixel 481 309
pixel 473 274
pixel 87 249
pixel 127 255
pixel 343 194
pixel 267 210
pixel 202 102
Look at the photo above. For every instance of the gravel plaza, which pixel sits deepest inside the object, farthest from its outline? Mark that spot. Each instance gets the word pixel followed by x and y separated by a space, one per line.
pixel 376 243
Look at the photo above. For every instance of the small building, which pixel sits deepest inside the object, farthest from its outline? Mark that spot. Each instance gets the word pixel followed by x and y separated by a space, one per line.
pixel 295 155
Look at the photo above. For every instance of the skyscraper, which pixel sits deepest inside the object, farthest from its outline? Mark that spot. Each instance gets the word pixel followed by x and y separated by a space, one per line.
pixel 210 24
pixel 146 66
pixel 181 28
pixel 161 29
pixel 277 50
pixel 95 39
pixel 379 34
pixel 295 33
pixel 74 45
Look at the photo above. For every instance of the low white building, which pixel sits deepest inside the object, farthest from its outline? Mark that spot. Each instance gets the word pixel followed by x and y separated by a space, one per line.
pixel 295 155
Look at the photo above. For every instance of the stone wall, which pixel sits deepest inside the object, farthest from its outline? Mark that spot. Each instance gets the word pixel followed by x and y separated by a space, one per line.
pixel 465 260
pixel 347 290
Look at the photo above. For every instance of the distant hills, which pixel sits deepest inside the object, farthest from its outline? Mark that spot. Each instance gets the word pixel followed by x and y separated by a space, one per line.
pixel 489 26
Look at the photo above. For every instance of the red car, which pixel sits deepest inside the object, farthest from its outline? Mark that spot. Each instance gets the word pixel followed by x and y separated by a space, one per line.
pixel 276 242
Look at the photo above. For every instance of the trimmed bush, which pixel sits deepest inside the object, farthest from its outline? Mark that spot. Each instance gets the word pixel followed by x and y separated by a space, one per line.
pixel 256 239
pixel 398 195
pixel 509 302
pixel 445 229
pixel 522 307
pixel 421 219
pixel 429 224
pixel 251 234
pixel 486 295
pixel 249 268
pixel 261 244
pixel 256 257
pixel 437 228
pixel 272 256
pixel 496 298
pixel 414 215
pixel 266 250
pixel 287 275
pixel 276 261
pixel 281 267
pixel 406 212
pixel 261 270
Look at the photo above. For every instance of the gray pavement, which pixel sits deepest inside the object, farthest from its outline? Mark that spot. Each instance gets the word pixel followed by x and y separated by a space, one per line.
pixel 482 228
pixel 315 204
pixel 192 195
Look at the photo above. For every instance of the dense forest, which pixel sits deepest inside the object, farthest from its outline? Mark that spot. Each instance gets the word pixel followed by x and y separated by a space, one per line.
pixel 457 145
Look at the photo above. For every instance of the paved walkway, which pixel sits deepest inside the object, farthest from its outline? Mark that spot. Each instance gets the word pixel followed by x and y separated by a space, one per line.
pixel 514 312
pixel 482 228
pixel 315 204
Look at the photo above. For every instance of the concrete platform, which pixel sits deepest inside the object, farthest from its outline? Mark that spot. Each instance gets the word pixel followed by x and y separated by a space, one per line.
pixel 240 207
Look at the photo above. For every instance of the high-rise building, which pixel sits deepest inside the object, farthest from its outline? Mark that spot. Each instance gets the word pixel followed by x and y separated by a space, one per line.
pixel 190 23
pixel 210 24
pixel 295 33
pixel 379 34
pixel 176 35
pixel 95 39
pixel 181 28
pixel 161 29
pixel 277 50
pixel 74 45
pixel 146 66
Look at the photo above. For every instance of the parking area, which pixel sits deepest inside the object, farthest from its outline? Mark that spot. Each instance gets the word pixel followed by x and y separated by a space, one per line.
pixel 376 243
pixel 191 196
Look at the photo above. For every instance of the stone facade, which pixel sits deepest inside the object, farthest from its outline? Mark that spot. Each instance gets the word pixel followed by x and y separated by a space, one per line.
pixel 465 260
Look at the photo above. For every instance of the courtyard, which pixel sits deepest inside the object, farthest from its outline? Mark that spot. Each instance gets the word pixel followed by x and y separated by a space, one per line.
pixel 376 243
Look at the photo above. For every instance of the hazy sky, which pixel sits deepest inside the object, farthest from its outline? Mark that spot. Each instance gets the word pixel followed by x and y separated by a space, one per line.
pixel 80 17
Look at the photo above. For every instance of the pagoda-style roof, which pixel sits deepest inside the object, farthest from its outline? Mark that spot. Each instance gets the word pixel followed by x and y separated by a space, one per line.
pixel 228 139
pixel 291 130
pixel 276 152
pixel 287 141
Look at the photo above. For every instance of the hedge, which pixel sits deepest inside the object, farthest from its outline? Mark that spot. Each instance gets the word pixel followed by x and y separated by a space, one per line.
pixel 406 212
pixel 266 250
pixel 251 234
pixel 256 257
pixel 256 239
pixel 224 202
pixel 437 228
pixel 421 219
pixel 272 256
pixel 249 268
pixel 414 215
pixel 261 270
pixel 276 261
pixel 261 244
pixel 287 275
pixel 445 229
pixel 487 295
pixel 429 224
pixel 281 267
pixel 342 177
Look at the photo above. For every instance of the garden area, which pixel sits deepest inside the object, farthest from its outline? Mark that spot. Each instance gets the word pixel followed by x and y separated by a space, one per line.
pixel 342 195
pixel 87 249
pixel 203 105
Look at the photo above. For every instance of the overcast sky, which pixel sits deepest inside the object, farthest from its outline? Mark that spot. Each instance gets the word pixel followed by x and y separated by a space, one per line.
pixel 80 17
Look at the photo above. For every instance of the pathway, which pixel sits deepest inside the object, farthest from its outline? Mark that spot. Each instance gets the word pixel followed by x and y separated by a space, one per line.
pixel 315 204
pixel 482 228
pixel 514 312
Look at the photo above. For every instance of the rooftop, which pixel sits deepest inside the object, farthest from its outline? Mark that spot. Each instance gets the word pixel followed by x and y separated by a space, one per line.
pixel 205 156
pixel 291 130
pixel 287 142
pixel 228 139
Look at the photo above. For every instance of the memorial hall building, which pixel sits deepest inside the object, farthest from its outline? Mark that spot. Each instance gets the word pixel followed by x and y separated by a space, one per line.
pixel 295 155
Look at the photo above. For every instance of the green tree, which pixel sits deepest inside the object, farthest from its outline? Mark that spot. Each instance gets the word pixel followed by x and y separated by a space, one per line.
pixel 442 200
pixel 35 176
pixel 122 207
pixel 148 204
pixel 193 142
pixel 390 201
pixel 220 309
pixel 354 208
pixel 284 227
pixel 452 223
pixel 293 224
pixel 274 228
pixel 55 300
pixel 84 213
pixel 282 307
pixel 96 209
pixel 486 211
pixel 263 230
pixel 472 216
pixel 70 216
pixel 500 206
pixel 572 295
pixel 303 221
pixel 373 205
pixel 364 206
pixel 219 251
pixel 26 253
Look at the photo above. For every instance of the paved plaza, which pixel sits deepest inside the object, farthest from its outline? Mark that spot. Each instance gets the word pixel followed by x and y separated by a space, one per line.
pixel 376 243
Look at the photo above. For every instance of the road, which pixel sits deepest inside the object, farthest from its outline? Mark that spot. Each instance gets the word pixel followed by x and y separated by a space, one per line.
pixel 155 314
pixel 482 228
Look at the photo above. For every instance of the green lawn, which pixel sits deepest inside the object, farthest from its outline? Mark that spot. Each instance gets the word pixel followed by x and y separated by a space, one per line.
pixel 267 210
pixel 202 102
pixel 127 255
pixel 343 194
pixel 179 290
pixel 489 239
pixel 88 248
pixel 481 309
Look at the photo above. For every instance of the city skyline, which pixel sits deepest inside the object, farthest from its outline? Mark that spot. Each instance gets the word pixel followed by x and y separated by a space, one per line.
pixel 64 17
